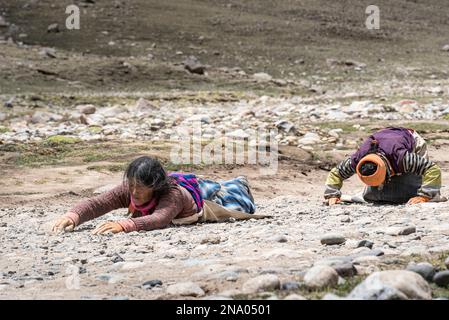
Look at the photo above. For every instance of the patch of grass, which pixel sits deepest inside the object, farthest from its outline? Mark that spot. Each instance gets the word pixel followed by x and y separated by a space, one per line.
pixel 63 151
pixel 345 288
pixel 95 129
pixel 439 292
pixel 426 127
pixel 35 155
pixel 390 100
pixel 347 127
pixel 241 296
pixel 4 129
pixel 94 156
pixel 18 182
pixel 438 261
pixel 108 167
pixel 341 290
pixel 58 139
pixel 170 166
pixel 41 181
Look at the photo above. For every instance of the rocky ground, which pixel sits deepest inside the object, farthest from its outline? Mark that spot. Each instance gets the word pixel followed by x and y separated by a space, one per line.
pixel 224 260
pixel 281 257
pixel 77 107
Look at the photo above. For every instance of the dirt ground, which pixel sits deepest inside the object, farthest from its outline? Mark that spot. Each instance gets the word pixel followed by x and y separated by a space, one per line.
pixel 137 46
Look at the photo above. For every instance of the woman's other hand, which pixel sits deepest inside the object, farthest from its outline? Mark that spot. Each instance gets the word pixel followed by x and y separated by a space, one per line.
pixel 332 201
pixel 63 224
pixel 107 227
pixel 418 199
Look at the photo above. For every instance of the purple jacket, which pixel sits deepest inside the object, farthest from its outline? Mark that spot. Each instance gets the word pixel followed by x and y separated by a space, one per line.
pixel 189 181
pixel 392 142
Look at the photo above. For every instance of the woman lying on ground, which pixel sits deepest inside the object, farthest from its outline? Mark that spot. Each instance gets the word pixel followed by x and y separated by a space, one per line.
pixel 156 199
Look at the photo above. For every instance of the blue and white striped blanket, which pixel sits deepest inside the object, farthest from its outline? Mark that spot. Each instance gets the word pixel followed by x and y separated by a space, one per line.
pixel 232 194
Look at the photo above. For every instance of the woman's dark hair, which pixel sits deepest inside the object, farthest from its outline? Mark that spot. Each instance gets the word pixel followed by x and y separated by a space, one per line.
pixel 150 173
pixel 368 168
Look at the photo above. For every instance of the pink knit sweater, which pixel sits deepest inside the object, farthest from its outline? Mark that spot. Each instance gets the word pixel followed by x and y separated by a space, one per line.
pixel 178 203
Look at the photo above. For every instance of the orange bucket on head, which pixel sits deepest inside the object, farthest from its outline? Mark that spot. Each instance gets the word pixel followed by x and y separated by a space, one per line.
pixel 378 177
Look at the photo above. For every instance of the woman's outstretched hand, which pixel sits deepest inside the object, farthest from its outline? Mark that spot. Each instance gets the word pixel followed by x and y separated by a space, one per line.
pixel 418 199
pixel 107 227
pixel 332 201
pixel 63 224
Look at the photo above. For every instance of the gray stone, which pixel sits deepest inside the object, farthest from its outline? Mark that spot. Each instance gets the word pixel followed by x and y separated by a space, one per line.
pixel 285 125
pixel 40 117
pixel 309 138
pixel 44 117
pixel 9 103
pixel 3 23
pixel 445 48
pixel 262 77
pixel 442 278
pixel 192 65
pixel 230 275
pixel 356 64
pixel 446 262
pixel 151 284
pixel 53 28
pixel 337 115
pixel 265 282
pixel 375 252
pixel 290 285
pixel 345 269
pixel 400 231
pixel 117 258
pixel 407 230
pixel 392 285
pixel 185 289
pixel 211 240
pixel 86 108
pixel 425 269
pixel 357 106
pixel 92 119
pixel 321 276
pixel 48 52
pixel 280 82
pixel 365 243
pixel 279 238
pixel 332 239
pixel 204 118
pixel 105 277
pixel 332 261
pixel 112 112
pixel 144 106
pixel 238 134
pixel 366 259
